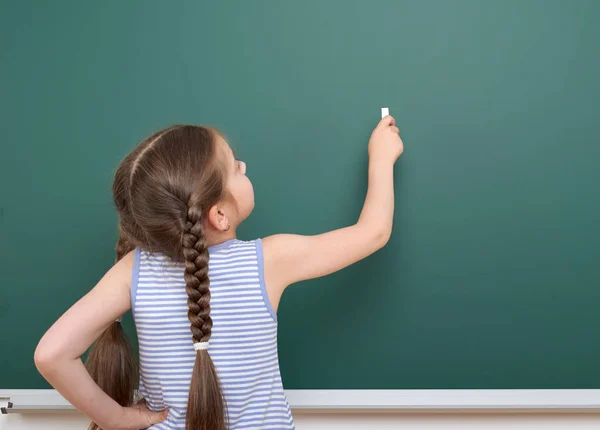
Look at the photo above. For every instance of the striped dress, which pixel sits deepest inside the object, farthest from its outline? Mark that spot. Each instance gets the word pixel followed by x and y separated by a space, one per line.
pixel 243 345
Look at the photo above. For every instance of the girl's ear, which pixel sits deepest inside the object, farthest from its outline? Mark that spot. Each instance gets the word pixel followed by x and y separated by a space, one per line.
pixel 217 218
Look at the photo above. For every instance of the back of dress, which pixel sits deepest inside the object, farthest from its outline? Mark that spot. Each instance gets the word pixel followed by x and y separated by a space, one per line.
pixel 243 345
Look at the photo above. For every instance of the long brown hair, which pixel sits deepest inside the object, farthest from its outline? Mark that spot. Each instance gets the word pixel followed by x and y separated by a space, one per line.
pixel 162 190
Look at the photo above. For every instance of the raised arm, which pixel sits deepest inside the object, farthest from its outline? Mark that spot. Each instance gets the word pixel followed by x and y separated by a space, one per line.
pixel 292 258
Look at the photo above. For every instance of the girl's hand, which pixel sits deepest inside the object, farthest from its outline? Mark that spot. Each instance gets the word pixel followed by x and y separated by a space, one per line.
pixel 140 417
pixel 385 143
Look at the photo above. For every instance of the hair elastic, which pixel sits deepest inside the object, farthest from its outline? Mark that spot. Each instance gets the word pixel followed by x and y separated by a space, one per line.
pixel 200 346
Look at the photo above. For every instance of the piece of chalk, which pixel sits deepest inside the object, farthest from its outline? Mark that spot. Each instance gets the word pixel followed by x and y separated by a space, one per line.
pixel 385 112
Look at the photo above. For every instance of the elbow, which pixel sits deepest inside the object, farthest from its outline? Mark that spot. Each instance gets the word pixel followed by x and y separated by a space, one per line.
pixel 382 237
pixel 376 235
pixel 44 359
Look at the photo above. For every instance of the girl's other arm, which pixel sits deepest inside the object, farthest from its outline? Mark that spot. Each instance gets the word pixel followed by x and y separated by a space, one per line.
pixel 292 258
pixel 58 354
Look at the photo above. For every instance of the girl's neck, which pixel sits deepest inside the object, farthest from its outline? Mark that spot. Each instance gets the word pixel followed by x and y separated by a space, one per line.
pixel 214 238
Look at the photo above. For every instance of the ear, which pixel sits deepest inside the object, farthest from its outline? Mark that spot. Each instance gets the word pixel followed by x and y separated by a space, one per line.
pixel 217 218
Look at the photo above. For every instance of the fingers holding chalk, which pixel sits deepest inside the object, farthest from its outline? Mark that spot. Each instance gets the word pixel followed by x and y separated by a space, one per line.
pixel 386 118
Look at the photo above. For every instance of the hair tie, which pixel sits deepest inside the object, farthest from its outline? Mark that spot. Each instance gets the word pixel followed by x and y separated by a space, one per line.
pixel 198 346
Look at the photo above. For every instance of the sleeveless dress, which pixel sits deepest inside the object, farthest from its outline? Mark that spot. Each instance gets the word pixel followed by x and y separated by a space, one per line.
pixel 243 345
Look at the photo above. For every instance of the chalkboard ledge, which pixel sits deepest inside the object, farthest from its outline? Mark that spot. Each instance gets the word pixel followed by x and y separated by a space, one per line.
pixel 397 401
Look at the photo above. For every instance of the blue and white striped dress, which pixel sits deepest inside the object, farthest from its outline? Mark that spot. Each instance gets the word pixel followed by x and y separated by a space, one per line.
pixel 243 345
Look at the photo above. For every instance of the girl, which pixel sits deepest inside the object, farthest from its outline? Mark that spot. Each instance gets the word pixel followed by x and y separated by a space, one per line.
pixel 181 196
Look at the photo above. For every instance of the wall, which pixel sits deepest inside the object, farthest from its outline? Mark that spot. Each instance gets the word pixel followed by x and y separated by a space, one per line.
pixel 349 421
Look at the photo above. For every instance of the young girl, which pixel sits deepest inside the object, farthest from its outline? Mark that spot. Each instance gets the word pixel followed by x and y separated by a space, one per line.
pixel 181 196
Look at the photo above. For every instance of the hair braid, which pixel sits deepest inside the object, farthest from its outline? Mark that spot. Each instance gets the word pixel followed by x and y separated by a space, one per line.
pixel 197 283
pixel 110 361
pixel 206 407
pixel 124 245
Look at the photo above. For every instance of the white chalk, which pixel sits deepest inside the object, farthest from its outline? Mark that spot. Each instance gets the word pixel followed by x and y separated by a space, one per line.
pixel 384 112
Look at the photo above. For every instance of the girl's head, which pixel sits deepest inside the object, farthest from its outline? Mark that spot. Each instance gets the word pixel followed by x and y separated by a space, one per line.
pixel 178 170
pixel 178 192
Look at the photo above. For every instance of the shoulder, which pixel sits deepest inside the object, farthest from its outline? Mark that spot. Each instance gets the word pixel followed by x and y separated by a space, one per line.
pixel 128 260
pixel 122 271
pixel 278 242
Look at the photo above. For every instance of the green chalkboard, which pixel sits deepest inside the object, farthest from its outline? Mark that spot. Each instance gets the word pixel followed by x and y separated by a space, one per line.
pixel 491 278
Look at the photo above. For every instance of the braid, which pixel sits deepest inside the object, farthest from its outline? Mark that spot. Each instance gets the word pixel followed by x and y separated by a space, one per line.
pixel 206 408
pixel 110 362
pixel 197 283
pixel 124 245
